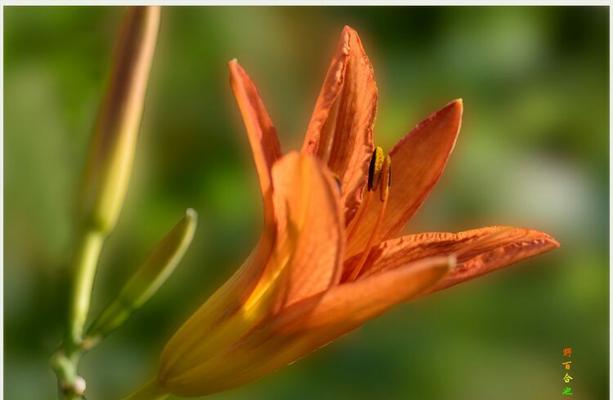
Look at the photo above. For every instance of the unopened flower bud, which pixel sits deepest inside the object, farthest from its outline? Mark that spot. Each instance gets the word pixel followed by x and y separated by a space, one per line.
pixel 112 148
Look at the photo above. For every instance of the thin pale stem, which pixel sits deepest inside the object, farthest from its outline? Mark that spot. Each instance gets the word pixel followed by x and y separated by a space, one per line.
pixel 65 361
pixel 84 272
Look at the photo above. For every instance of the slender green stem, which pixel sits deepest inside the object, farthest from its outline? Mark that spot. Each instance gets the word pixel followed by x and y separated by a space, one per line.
pixel 70 384
pixel 149 391
pixel 84 272
pixel 65 361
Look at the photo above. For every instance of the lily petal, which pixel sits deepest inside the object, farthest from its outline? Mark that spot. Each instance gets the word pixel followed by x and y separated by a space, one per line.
pixel 260 129
pixel 418 161
pixel 228 299
pixel 307 205
pixel 306 260
pixel 223 305
pixel 478 251
pixel 266 150
pixel 349 305
pixel 310 324
pixel 340 129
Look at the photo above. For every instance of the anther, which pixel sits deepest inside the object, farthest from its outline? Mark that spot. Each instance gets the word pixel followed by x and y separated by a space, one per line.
pixel 374 170
pixel 339 184
pixel 383 183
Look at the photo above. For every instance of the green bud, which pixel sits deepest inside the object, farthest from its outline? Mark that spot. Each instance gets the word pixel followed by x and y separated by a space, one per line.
pixel 147 279
pixel 111 154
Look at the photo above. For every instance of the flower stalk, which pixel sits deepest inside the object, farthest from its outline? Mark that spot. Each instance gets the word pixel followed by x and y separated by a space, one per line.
pixel 85 264
pixel 106 179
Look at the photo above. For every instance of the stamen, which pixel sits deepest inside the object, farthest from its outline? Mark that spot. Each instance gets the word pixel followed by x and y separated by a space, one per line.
pixel 376 165
pixel 385 182
pixel 339 183
pixel 374 174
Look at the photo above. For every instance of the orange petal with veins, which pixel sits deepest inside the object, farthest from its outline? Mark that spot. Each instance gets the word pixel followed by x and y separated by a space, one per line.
pixel 341 126
pixel 478 251
pixel 418 161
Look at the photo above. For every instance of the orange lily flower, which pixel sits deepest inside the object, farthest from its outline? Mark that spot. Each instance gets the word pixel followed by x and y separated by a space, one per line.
pixel 330 256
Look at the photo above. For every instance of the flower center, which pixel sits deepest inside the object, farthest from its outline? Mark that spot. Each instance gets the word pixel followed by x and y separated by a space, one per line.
pixel 379 178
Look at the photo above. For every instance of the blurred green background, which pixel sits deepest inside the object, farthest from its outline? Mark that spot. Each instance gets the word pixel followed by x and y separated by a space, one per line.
pixel 533 152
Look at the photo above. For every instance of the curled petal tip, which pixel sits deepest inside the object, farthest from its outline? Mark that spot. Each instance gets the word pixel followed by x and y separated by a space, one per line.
pixel 546 240
pixel 551 241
